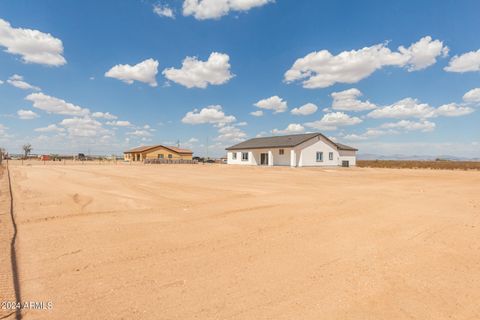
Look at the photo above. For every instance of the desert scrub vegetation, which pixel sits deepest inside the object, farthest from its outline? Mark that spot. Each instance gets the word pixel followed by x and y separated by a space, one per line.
pixel 415 164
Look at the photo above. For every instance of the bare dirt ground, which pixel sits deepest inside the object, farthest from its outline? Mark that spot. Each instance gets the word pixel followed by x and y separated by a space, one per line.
pixel 226 242
pixel 7 290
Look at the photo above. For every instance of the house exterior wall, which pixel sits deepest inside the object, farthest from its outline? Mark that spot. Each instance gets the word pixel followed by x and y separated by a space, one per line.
pixel 155 154
pixel 254 156
pixel 307 153
pixel 251 160
pixel 275 158
pixel 303 155
pixel 281 160
pixel 348 155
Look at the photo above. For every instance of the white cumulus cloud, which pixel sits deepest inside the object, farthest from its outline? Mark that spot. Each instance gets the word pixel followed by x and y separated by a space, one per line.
pixel 472 96
pixel 466 62
pixel 404 108
pixel 32 45
pixel 145 71
pixel 321 69
pixel 26 114
pixel 412 108
pixel 423 53
pixel 257 113
pixel 214 9
pixel 104 115
pixel 305 110
pixel 211 114
pixel 119 123
pixel 333 120
pixel 390 128
pixel 140 133
pixel 50 128
pixel 199 74
pixel 274 103
pixel 231 134
pixel 407 125
pixel 291 128
pixel 55 105
pixel 83 127
pixel 163 11
pixel 18 82
pixel 354 137
pixel 368 134
pixel 348 101
pixel 453 110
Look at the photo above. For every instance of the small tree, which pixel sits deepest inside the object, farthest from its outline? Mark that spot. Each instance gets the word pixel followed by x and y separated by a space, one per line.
pixel 27 148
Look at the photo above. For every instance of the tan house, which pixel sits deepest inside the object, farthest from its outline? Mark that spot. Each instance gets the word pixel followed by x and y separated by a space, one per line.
pixel 157 152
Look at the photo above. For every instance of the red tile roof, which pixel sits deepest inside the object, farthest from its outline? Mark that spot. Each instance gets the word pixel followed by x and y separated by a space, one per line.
pixel 147 148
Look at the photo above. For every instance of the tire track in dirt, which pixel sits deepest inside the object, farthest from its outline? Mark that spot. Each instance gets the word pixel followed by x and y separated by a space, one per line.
pixel 13 251
pixel 9 284
pixel 6 233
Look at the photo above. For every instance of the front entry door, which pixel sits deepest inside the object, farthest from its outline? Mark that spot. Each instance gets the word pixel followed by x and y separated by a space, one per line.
pixel 264 159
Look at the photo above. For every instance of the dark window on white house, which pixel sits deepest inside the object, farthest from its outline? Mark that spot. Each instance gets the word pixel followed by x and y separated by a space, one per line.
pixel 330 156
pixel 160 156
pixel 234 156
pixel 281 151
pixel 319 156
pixel 244 156
pixel 170 156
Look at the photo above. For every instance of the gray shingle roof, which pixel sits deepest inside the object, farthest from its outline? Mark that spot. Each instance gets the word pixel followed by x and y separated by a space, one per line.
pixel 341 146
pixel 289 141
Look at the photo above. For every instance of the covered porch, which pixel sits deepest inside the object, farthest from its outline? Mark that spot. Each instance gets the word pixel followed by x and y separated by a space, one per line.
pixel 134 156
pixel 275 157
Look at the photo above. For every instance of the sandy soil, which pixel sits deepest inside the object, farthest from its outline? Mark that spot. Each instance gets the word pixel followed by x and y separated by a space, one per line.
pixel 7 290
pixel 223 242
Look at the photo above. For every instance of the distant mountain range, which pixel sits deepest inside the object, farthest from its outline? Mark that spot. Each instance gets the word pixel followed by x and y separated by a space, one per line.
pixel 370 156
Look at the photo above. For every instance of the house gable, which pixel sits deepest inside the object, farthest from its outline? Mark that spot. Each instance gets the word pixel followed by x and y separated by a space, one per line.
pixel 157 152
pixel 162 152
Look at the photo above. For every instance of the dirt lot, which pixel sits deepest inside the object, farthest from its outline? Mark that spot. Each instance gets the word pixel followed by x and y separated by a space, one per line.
pixel 223 242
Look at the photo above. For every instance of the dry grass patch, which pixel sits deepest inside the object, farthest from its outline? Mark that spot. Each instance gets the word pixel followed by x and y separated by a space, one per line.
pixel 412 164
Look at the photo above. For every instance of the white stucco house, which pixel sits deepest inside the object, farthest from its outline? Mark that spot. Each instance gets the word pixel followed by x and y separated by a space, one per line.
pixel 298 150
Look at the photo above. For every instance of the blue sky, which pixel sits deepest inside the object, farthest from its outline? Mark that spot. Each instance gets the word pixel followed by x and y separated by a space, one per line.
pixel 194 70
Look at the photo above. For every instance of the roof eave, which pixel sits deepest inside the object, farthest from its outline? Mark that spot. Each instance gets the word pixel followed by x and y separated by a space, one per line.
pixel 158 146
pixel 265 147
pixel 179 152
pixel 350 149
